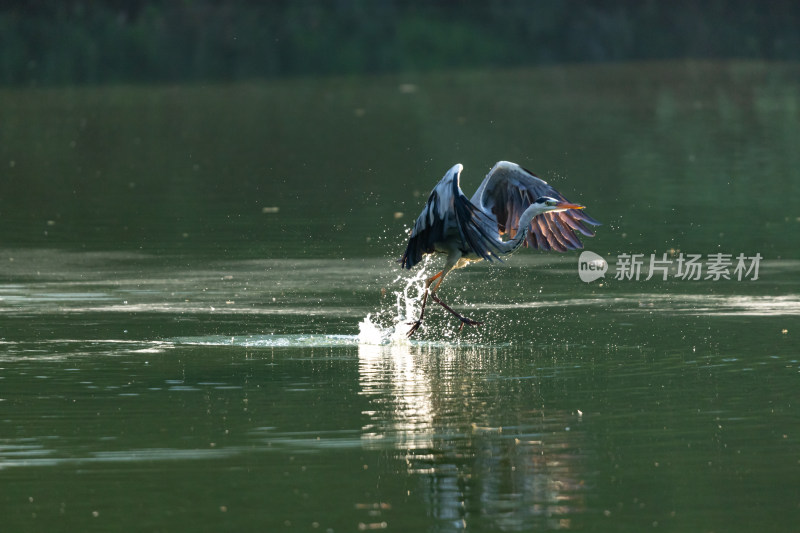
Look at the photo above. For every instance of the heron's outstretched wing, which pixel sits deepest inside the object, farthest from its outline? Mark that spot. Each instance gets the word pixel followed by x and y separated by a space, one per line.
pixel 450 220
pixel 429 228
pixel 509 189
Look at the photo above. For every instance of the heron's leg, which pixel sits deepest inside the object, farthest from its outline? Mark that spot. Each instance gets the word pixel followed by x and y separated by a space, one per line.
pixel 462 318
pixel 415 325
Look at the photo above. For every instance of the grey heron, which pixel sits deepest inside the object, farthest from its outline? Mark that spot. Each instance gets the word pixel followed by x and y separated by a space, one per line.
pixel 510 202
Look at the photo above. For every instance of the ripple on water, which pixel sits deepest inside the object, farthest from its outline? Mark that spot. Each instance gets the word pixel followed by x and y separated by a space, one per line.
pixel 271 341
pixel 370 335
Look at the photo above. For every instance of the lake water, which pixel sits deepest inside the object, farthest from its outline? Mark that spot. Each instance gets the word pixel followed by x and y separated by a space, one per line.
pixel 199 290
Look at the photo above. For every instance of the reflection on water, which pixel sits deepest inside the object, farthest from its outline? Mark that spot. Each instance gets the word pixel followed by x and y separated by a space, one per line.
pixel 524 434
pixel 526 474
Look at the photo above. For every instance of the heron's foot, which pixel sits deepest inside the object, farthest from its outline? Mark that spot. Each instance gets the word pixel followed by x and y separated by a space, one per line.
pixel 414 327
pixel 469 322
pixel 462 318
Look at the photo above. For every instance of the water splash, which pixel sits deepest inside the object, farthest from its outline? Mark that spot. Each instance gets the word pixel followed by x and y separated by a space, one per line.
pixel 392 324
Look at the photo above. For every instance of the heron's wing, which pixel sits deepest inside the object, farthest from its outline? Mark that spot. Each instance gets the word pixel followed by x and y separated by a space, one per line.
pixel 450 219
pixel 429 228
pixel 509 189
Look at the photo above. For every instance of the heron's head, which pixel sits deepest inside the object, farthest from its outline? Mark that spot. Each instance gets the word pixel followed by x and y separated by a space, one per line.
pixel 548 204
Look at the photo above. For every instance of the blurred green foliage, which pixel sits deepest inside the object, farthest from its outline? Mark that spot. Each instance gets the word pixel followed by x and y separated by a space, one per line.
pixel 56 42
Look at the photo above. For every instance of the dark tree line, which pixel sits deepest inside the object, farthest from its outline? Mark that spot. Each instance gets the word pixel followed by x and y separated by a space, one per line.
pixel 54 42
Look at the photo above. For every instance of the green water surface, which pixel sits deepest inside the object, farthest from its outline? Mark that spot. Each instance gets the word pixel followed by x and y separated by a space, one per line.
pixel 183 272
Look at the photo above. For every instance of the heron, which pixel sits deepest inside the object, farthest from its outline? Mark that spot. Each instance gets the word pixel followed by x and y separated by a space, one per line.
pixel 511 202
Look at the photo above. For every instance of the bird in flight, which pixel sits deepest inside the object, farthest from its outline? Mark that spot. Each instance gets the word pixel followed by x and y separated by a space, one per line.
pixel 511 202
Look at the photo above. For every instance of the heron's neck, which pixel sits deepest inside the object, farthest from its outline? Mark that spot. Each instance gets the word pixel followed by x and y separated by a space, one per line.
pixel 524 225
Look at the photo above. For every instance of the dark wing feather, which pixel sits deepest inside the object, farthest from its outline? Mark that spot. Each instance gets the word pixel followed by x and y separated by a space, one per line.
pixel 450 218
pixel 428 229
pixel 509 189
pixel 476 230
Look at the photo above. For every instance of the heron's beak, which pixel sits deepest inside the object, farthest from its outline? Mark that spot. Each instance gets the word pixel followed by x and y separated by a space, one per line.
pixel 567 205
